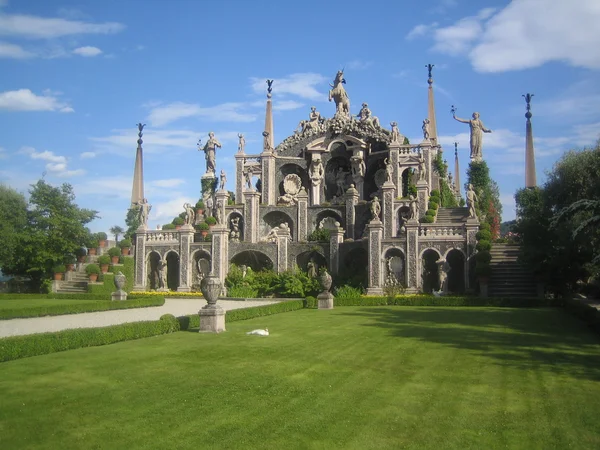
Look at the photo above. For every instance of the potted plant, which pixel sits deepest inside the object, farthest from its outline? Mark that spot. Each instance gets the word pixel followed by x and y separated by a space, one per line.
pixel 70 263
pixel 211 221
pixel 199 207
pixel 203 228
pixel 114 253
pixel 104 261
pixel 125 245
pixel 81 253
pixel 93 247
pixel 93 271
pixel 102 237
pixel 178 222
pixel 59 271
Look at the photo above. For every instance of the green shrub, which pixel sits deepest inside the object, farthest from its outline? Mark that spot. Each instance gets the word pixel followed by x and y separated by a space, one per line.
pixel 203 226
pixel 200 204
pixel 168 226
pixel 427 219
pixel 483 257
pixel 103 259
pixel 125 243
pixel 92 268
pixel 431 212
pixel 483 246
pixel 347 291
pixel 319 235
pixel 114 251
pixel 242 291
pixel 60 268
pixel 211 220
pixel 483 270
pixel 434 193
pixel 435 199
pixel 485 226
pixel 172 320
pixel 430 300
pixel 433 205
pixel 483 235
pixel 178 221
pixel 101 236
pixel 16 347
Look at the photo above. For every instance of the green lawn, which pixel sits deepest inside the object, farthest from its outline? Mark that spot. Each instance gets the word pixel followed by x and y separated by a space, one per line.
pixel 351 378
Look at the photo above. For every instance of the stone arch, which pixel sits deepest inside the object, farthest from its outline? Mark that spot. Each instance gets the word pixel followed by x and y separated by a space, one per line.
pixel 316 257
pixel 292 168
pixel 274 219
pixel 201 267
pixel 325 213
pixel 254 259
pixel 172 258
pixel 401 216
pixel 350 142
pixel 407 175
pixel 456 277
pixel 354 267
pixel 394 268
pixel 152 260
pixel 241 224
pixel 429 269
pixel 337 171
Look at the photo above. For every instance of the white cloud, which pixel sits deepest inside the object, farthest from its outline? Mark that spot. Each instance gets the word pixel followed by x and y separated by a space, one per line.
pixel 35 27
pixel 457 39
pixel 300 84
pixel 56 164
pixel 421 30
pixel 87 51
pixel 226 112
pixel 118 187
pixel 167 183
pixel 25 100
pixel 169 209
pixel 87 155
pixel 8 50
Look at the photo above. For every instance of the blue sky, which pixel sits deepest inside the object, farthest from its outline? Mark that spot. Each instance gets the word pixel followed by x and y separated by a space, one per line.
pixel 77 76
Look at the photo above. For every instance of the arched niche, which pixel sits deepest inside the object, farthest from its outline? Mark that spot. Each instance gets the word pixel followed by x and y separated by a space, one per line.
pixel 337 171
pixel 395 266
pixel 312 256
pixel 152 262
pixel 402 216
pixel 429 270
pixel 354 269
pixel 274 219
pixel 334 215
pixel 172 259
pixel 200 268
pixel 295 169
pixel 456 276
pixel 256 260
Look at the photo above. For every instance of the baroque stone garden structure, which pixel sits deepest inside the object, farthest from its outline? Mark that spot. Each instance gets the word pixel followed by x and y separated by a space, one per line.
pixel 345 174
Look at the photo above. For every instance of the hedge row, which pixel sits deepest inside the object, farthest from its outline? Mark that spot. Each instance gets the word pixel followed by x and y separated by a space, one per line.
pixel 427 300
pixel 108 279
pixel 16 347
pixel 76 308
pixel 55 296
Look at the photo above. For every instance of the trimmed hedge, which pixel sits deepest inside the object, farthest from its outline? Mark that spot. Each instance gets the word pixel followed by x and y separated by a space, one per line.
pixel 76 308
pixel 108 279
pixel 16 347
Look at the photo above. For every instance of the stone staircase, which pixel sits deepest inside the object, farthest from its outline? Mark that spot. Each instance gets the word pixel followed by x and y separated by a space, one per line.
pixel 509 278
pixel 452 215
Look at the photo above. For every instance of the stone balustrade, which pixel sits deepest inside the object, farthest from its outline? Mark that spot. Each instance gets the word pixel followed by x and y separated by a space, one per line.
pixel 440 231
pixel 162 236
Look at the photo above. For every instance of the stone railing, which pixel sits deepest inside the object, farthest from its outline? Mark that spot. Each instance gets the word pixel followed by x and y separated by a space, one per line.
pixel 409 150
pixel 160 236
pixel 440 231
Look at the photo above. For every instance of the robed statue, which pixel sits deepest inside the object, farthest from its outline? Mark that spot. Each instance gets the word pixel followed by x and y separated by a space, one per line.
pixel 210 149
pixel 477 130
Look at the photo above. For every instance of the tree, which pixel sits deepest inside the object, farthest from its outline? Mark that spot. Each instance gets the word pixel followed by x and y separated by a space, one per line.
pixel 13 219
pixel 488 206
pixel 55 228
pixel 132 220
pixel 117 231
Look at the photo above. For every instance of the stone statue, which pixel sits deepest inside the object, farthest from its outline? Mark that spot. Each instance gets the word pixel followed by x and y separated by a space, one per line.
pixel 413 207
pixel 219 213
pixel 375 208
pixel 339 96
pixel 366 118
pixel 477 128
pixel 422 168
pixel 210 152
pixel 316 171
pixel 222 180
pixel 162 274
pixel 241 143
pixel 443 270
pixel 389 170
pixel 266 142
pixel 358 167
pixel 311 269
pixel 144 212
pixel 340 181
pixel 471 201
pixel 189 214
pixel 395 132
pixel 200 272
pixel 248 176
pixel 425 128
pixel 272 235
pixel 234 234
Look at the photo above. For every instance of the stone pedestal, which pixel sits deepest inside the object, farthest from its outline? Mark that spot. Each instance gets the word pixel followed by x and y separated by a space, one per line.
pixel 483 287
pixel 412 256
pixel 118 296
pixel 283 237
pixel 325 300
pixel 394 156
pixel 239 178
pixel 387 211
pixel 422 197
pixel 375 233
pixel 212 319
pixel 336 237
pixel 251 213
pixel 351 201
pixel 139 273
pixel 186 237
pixel 267 178
pixel 302 228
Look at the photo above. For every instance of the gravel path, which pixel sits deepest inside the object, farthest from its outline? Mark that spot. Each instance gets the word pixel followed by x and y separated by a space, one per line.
pixel 177 307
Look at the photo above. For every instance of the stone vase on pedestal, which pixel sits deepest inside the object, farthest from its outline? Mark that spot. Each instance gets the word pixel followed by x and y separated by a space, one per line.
pixel 325 298
pixel 212 316
pixel 120 281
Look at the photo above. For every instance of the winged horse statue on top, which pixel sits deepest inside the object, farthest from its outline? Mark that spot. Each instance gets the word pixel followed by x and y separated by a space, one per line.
pixel 339 95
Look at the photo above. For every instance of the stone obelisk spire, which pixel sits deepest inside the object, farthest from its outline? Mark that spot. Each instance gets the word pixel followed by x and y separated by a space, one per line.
pixel 137 192
pixel 530 178
pixel 269 118
pixel 431 107
pixel 456 170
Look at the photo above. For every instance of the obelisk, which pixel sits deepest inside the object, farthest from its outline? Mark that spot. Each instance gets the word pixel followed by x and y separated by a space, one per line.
pixel 530 178
pixel 137 192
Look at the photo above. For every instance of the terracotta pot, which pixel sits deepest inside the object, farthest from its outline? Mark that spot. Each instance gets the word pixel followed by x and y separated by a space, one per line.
pixel 178 227
pixel 93 277
pixel 114 259
pixel 199 211
pixel 125 251
pixel 211 289
pixel 70 267
pixel 204 233
pixel 104 268
pixel 102 244
pixel 91 251
pixel 58 276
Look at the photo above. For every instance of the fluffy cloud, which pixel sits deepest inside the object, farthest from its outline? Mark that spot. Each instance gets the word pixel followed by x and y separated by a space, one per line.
pixel 524 34
pixel 14 51
pixel 169 209
pixel 421 30
pixel 226 112
pixel 25 100
pixel 56 164
pixel 87 51
pixel 34 27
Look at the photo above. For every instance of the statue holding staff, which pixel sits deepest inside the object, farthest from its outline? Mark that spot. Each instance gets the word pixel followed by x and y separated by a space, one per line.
pixel 210 149
pixel 477 128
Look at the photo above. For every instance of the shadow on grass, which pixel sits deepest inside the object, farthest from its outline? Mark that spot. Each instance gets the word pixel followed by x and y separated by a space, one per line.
pixel 545 338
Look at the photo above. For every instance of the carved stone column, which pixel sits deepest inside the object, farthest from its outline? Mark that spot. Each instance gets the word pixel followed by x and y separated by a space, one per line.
pixel 351 201
pixel 428 157
pixel 396 176
pixel 268 189
pixel 472 227
pixel 239 178
pixel 220 252
pixel 375 233
pixel 422 197
pixel 412 256
pixel 139 281
pixel 186 237
pixel 336 237
pixel 302 228
pixel 251 212
pixel 221 197
pixel 283 237
pixel 387 211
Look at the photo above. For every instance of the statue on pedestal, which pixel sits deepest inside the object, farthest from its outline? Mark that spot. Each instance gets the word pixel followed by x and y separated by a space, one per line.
pixel 316 171
pixel 366 118
pixel 477 128
pixel 189 214
pixel 395 132
pixel 210 152
pixel 413 208
pixel 375 208
pixel 234 234
pixel 162 274
pixel 222 180
pixel 241 143
pixel 425 128
pixel 471 201
pixel 339 96
pixel 389 170
pixel 144 212
pixel 422 168
pixel 358 167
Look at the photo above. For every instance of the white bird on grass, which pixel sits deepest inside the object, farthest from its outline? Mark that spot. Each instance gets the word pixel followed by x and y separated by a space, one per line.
pixel 264 332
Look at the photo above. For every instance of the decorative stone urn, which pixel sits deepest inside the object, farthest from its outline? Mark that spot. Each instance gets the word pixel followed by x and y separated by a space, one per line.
pixel 325 281
pixel 211 288
pixel 325 298
pixel 212 316
pixel 120 281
